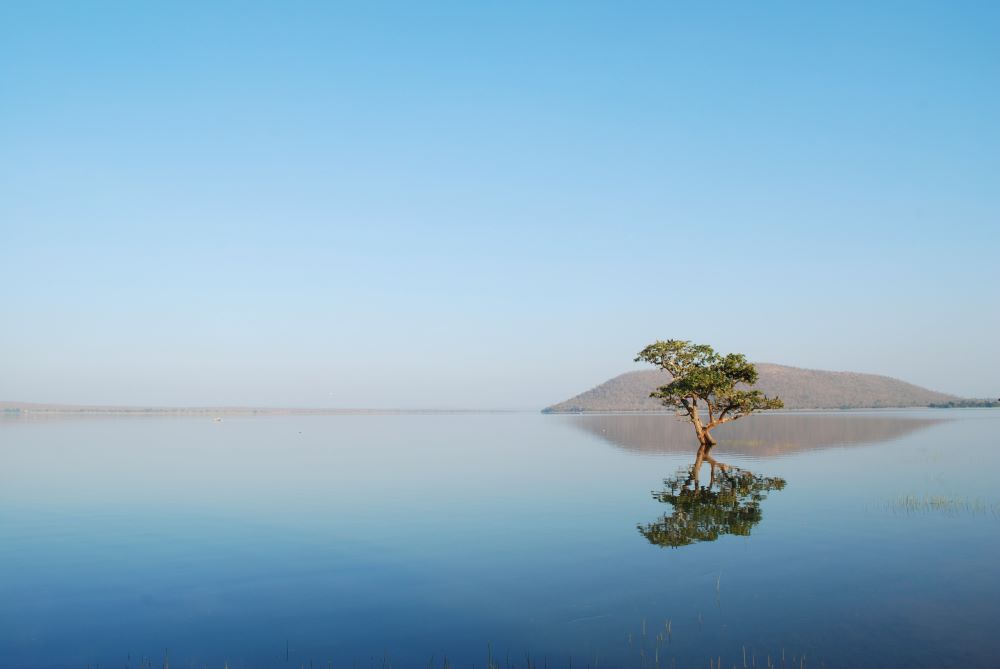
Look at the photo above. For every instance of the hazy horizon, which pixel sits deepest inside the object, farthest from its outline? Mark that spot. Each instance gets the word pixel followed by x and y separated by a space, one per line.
pixel 447 206
pixel 417 408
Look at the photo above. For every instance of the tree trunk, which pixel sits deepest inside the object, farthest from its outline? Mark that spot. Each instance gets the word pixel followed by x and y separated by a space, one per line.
pixel 706 441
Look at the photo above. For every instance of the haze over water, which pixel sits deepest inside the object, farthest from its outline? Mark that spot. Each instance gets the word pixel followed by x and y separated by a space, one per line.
pixel 357 538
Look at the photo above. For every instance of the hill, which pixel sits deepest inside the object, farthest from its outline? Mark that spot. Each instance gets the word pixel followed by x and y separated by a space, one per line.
pixel 799 388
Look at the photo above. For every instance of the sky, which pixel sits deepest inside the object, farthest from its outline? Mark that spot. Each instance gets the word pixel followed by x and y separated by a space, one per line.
pixel 490 205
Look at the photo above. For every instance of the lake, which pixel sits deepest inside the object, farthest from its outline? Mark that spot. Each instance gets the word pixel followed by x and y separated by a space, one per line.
pixel 378 541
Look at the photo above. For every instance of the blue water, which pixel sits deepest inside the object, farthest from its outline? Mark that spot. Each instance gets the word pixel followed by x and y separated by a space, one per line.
pixel 376 541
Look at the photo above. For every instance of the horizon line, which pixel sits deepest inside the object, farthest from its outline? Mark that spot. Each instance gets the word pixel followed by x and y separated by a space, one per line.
pixel 42 407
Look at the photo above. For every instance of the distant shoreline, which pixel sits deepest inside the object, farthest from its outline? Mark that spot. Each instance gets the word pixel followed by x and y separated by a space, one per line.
pixel 971 404
pixel 26 408
pixel 21 409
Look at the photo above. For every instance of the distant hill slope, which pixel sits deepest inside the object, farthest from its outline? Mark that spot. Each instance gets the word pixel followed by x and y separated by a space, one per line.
pixel 799 388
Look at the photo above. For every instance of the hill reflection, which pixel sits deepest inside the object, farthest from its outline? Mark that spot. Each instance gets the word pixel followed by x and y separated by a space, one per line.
pixel 766 435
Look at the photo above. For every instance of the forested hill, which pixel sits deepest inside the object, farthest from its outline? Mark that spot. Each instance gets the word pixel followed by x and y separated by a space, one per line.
pixel 799 388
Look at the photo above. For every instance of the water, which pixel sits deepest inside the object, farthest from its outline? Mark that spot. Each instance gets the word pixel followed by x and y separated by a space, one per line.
pixel 376 541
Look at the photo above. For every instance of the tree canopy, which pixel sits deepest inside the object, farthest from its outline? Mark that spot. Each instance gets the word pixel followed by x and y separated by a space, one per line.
pixel 705 380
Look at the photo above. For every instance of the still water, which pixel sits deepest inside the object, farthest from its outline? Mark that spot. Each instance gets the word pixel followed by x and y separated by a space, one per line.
pixel 378 541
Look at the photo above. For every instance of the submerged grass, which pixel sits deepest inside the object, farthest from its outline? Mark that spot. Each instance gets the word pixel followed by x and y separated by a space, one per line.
pixel 649 645
pixel 656 655
pixel 946 505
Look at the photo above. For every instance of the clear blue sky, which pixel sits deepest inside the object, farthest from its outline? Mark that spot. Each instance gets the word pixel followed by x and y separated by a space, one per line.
pixel 490 204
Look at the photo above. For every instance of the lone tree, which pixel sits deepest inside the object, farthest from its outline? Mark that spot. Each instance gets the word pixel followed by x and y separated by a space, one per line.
pixel 705 381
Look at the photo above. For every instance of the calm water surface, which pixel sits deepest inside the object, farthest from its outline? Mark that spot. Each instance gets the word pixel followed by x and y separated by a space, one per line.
pixel 372 541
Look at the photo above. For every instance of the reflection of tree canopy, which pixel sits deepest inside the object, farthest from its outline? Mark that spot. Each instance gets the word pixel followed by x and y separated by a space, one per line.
pixel 703 514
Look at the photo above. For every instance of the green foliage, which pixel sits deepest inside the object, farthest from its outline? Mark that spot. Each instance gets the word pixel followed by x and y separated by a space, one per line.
pixel 965 404
pixel 700 375
pixel 703 514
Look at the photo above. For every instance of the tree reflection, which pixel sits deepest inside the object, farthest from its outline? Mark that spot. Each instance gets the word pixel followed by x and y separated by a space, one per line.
pixel 729 504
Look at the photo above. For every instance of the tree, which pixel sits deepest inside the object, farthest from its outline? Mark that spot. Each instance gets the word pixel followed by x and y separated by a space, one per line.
pixel 705 381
